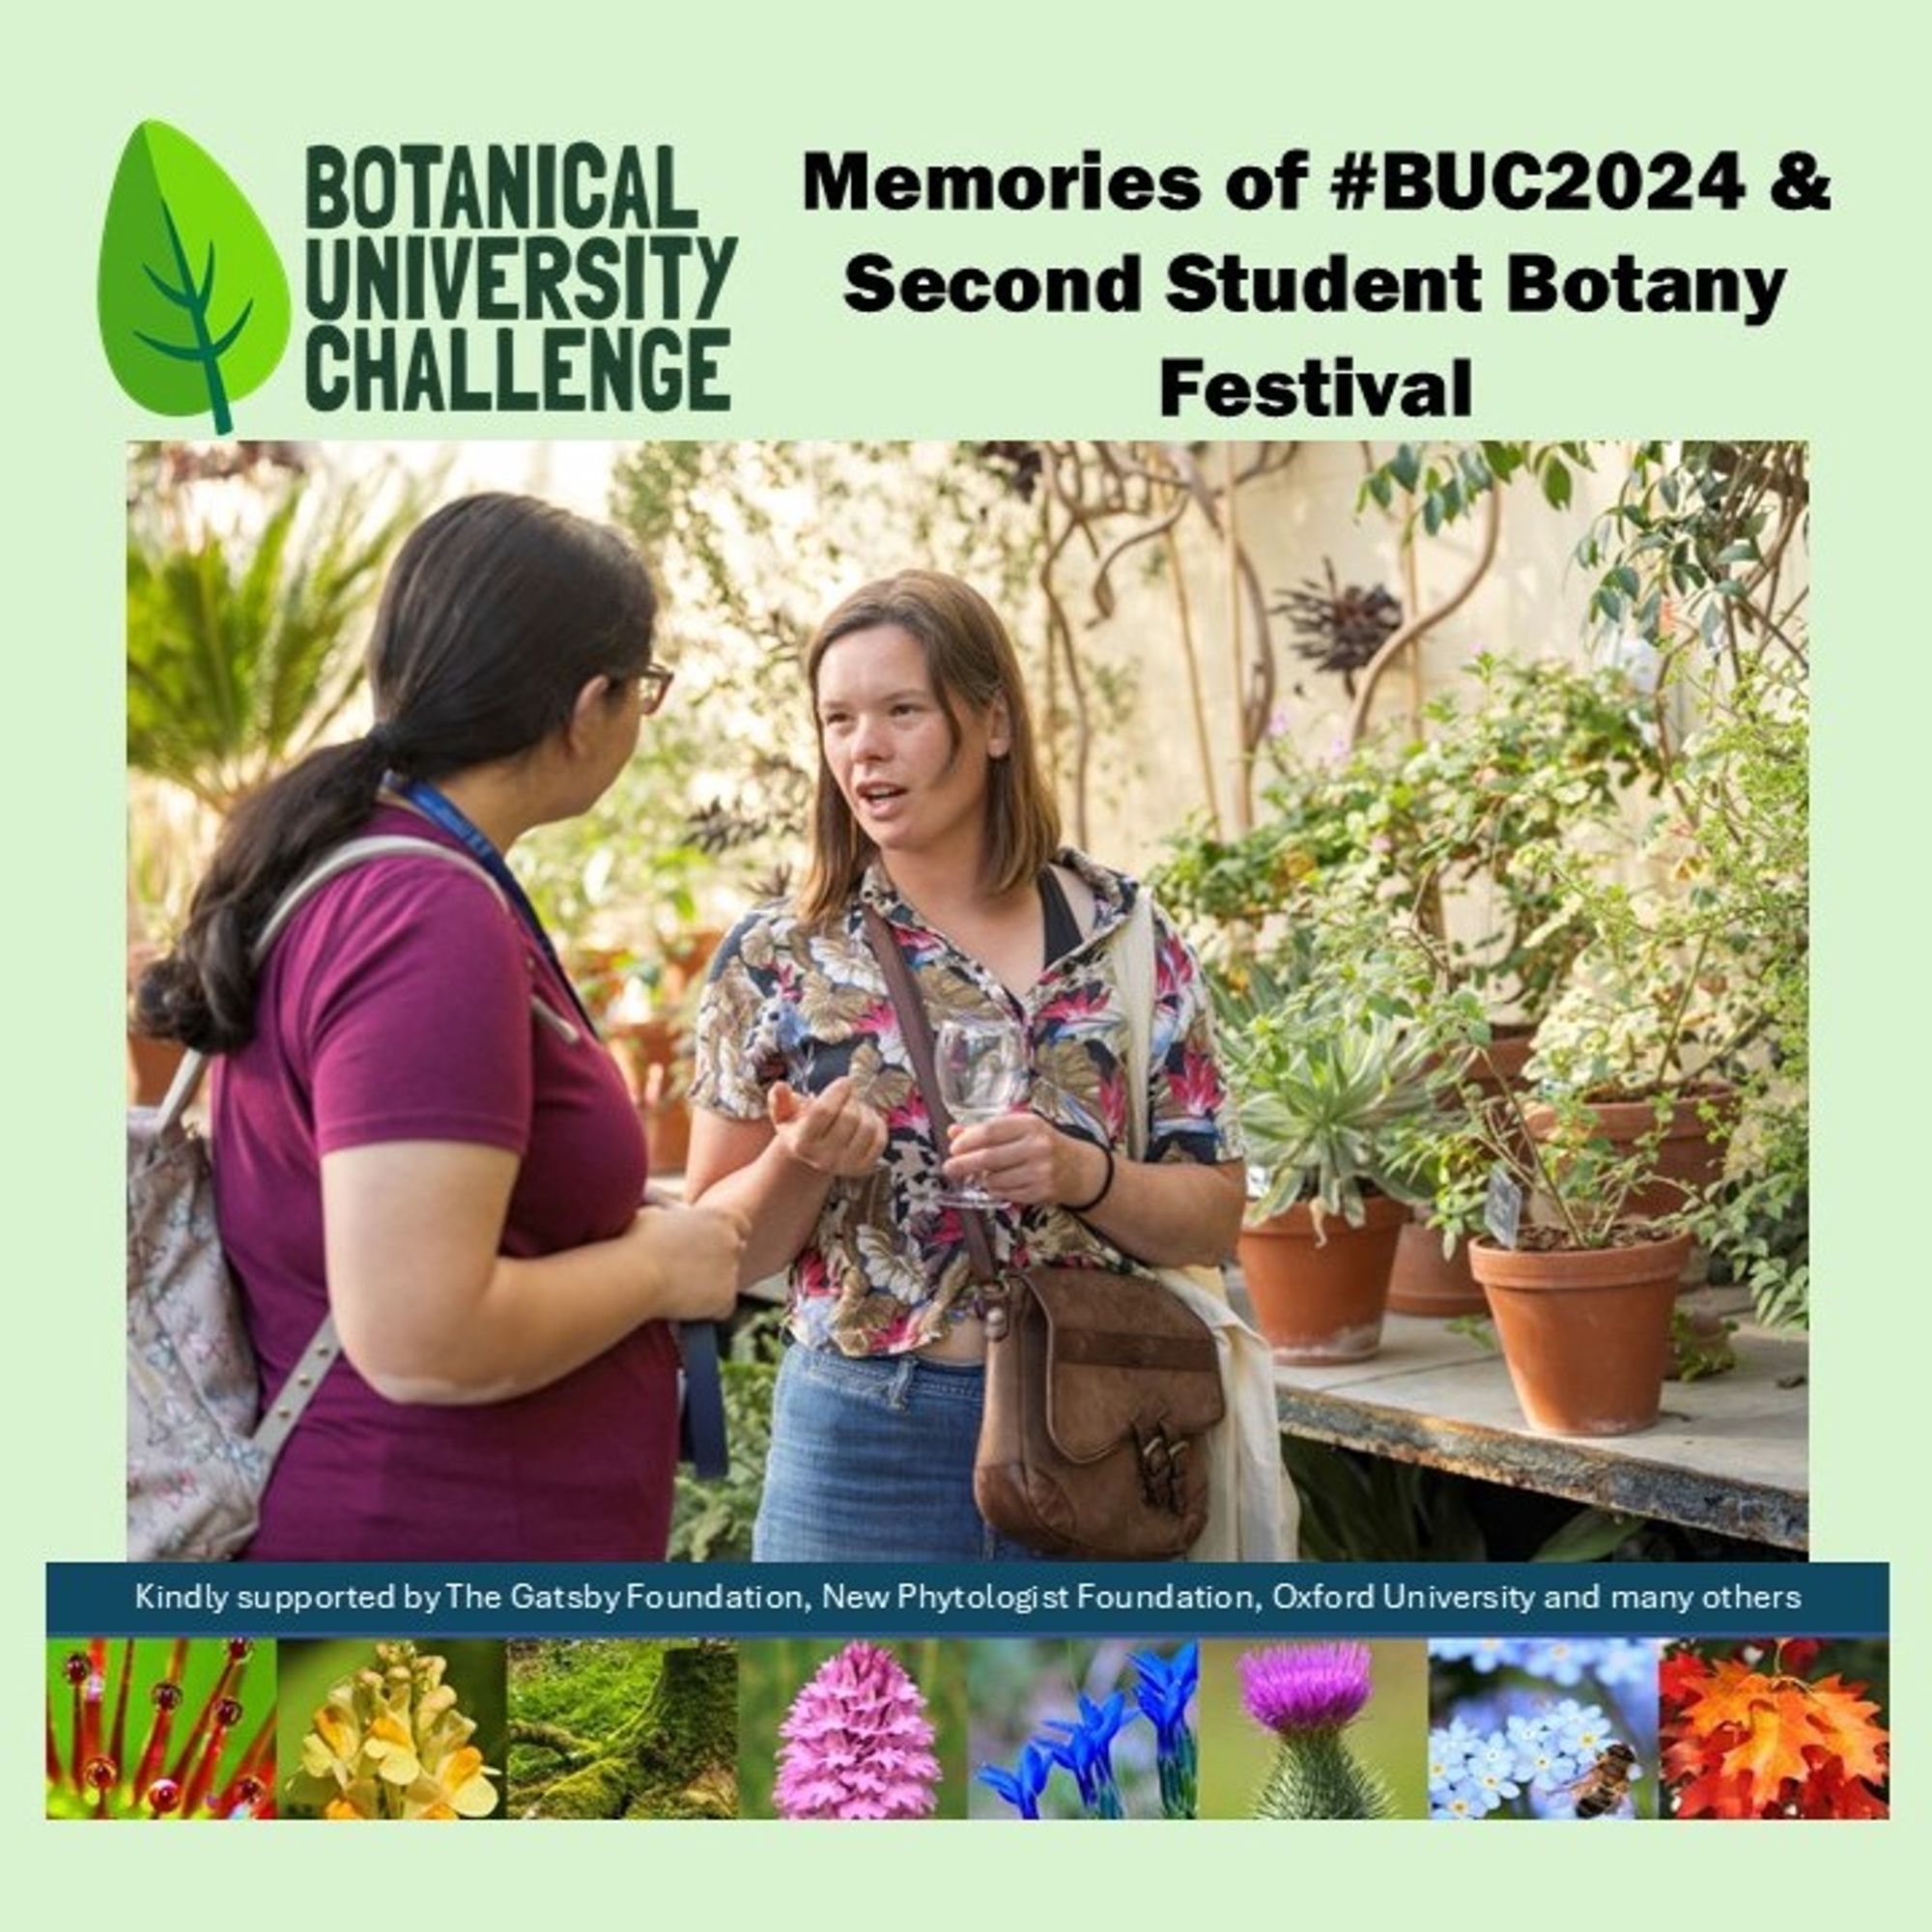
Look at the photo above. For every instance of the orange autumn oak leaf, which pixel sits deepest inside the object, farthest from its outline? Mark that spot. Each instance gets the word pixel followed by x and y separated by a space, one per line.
pixel 1741 1745
pixel 1844 1730
pixel 1681 1676
pixel 1731 1693
pixel 1770 1753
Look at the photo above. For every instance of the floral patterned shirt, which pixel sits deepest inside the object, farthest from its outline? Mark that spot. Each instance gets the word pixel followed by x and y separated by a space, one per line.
pixel 885 1268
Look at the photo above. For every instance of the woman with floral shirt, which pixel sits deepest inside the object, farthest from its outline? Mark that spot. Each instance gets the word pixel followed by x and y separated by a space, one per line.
pixel 931 808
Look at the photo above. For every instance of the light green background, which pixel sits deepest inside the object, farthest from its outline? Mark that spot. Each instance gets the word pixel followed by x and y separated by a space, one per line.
pixel 741 92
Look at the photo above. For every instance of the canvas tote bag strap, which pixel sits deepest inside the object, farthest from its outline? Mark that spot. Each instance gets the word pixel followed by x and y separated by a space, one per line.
pixel 1135 977
pixel 917 1030
pixel 1252 1513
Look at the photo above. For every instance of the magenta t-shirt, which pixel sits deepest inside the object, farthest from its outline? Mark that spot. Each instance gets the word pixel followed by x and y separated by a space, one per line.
pixel 395 1006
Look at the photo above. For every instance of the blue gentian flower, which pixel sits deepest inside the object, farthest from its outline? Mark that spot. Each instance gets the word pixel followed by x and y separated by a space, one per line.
pixel 1021 1787
pixel 1164 1689
pixel 1087 1750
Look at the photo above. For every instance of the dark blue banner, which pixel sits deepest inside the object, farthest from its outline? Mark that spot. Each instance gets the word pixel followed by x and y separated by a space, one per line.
pixel 1357 1600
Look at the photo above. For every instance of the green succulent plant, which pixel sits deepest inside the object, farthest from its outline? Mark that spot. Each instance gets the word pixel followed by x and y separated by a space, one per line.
pixel 1332 1095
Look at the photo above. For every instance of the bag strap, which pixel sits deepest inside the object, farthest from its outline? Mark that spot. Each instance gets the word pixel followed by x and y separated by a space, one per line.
pixel 703 1439
pixel 916 1029
pixel 345 858
pixel 1135 978
pixel 280 1415
pixel 1137 989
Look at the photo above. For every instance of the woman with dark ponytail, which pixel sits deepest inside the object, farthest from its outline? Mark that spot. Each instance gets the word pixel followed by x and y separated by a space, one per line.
pixel 414 1125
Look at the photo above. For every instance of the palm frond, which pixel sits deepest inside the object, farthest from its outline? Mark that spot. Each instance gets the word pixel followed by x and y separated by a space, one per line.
pixel 239 659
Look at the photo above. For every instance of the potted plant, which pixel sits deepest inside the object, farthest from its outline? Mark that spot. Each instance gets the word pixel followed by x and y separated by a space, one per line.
pixel 1454 822
pixel 1526 768
pixel 1581 1285
pixel 1330 1090
pixel 644 1005
pixel 243 643
pixel 1627 1042
pixel 1702 591
pixel 626 886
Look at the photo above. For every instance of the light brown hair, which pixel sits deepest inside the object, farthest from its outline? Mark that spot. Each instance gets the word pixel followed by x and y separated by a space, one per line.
pixel 971 662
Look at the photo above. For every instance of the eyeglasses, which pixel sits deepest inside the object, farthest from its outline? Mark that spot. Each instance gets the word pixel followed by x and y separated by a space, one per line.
pixel 653 687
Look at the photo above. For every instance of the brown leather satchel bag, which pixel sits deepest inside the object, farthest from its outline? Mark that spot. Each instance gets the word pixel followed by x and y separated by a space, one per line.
pixel 1098 1384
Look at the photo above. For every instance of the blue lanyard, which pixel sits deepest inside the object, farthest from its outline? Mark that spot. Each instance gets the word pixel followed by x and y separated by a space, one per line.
pixel 440 810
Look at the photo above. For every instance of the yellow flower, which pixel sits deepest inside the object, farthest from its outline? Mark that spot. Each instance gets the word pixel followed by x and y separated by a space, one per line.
pixel 430 1708
pixel 394 1744
pixel 391 1751
pixel 330 1749
pixel 360 1799
pixel 459 1788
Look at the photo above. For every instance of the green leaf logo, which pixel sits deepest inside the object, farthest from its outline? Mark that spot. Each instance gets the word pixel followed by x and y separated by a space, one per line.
pixel 194 306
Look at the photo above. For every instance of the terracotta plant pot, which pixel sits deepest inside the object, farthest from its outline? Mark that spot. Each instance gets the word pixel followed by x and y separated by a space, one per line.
pixel 1509 1051
pixel 1689 1157
pixel 1423 1281
pixel 151 1067
pixel 685 962
pixel 667 1135
pixel 1585 1331
pixel 653 1056
pixel 1321 1301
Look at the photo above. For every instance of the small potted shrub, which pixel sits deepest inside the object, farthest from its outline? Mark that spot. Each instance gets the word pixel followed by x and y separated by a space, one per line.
pixel 1331 1091
pixel 1701 591
pixel 1632 1038
pixel 1583 1286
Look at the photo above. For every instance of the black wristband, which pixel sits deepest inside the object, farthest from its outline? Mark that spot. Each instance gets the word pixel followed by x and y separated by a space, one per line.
pixel 1106 1187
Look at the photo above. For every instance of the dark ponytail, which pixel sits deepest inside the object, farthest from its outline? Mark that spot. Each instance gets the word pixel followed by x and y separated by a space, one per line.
pixel 496 611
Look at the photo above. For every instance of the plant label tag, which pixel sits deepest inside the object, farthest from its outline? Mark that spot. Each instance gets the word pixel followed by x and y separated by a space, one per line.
pixel 1502 1208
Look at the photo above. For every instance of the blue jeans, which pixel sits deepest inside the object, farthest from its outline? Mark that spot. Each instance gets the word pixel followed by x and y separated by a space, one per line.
pixel 872 1462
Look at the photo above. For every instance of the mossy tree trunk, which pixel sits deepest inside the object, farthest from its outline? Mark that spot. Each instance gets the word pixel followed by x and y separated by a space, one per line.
pixel 675 1758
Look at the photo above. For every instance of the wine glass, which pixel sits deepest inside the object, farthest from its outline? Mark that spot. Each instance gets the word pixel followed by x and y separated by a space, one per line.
pixel 982 1067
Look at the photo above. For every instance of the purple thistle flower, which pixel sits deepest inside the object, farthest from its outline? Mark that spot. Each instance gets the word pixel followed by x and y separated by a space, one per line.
pixel 858 1743
pixel 1298 1687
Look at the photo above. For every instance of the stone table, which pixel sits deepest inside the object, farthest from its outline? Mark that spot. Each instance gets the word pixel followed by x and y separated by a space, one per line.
pixel 1727 1454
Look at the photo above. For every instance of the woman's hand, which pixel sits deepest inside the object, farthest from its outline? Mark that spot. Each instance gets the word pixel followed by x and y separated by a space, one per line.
pixel 1024 1159
pixel 777 1174
pixel 833 1133
pixel 690 1256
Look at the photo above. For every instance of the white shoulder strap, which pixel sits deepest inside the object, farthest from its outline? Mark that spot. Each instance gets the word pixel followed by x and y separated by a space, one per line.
pixel 1134 952
pixel 345 858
